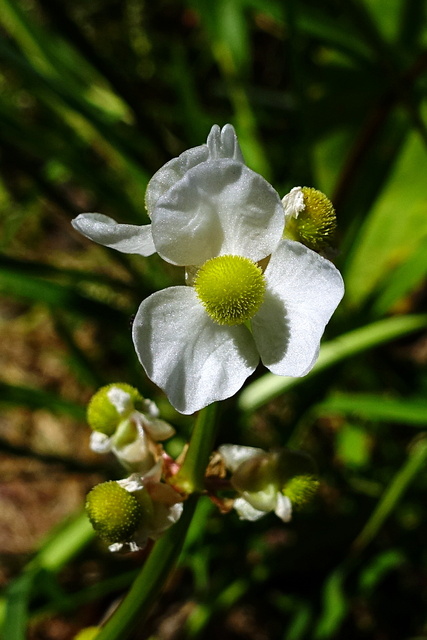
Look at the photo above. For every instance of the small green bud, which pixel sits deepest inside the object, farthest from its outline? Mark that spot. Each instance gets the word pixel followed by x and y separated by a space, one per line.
pixel 103 415
pixel 315 223
pixel 114 513
pixel 301 489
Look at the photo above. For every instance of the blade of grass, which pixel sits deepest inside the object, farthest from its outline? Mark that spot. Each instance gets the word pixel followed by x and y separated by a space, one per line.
pixel 377 407
pixel 415 461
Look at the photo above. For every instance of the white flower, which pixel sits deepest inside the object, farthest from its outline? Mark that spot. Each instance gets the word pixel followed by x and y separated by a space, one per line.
pixel 255 503
pixel 255 295
pixel 130 238
pixel 127 512
pixel 162 507
pixel 132 434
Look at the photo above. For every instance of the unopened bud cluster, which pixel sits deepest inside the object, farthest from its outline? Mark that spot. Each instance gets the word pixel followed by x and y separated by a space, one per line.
pixel 125 513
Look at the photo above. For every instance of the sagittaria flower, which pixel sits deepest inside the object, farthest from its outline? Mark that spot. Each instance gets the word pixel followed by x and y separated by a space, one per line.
pixel 252 294
pixel 137 239
pixel 126 513
pixel 269 481
pixel 128 425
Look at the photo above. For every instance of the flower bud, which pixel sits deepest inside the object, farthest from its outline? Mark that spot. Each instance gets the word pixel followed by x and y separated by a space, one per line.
pixel 310 217
pixel 114 513
pixel 111 405
pixel 255 474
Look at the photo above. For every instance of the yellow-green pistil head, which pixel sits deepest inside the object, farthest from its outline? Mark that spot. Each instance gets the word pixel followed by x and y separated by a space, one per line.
pixel 102 415
pixel 316 224
pixel 231 289
pixel 113 512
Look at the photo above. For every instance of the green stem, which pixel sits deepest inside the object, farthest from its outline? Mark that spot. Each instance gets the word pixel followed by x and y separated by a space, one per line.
pixel 147 586
pixel 191 475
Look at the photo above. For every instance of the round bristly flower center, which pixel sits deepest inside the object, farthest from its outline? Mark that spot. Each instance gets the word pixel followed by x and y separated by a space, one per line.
pixel 231 288
pixel 113 512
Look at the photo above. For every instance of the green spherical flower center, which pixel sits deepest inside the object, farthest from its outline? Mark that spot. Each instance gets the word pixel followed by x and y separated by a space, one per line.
pixel 113 512
pixel 231 288
pixel 102 415
pixel 316 224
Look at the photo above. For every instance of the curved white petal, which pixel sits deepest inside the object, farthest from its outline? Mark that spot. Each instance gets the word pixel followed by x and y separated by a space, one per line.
pixel 246 511
pixel 127 238
pixel 135 457
pixel 283 508
pixel 264 500
pixel 99 442
pixel 171 172
pixel 193 360
pixel 223 143
pixel 164 517
pixel 156 429
pixel 234 454
pixel 303 291
pixel 220 207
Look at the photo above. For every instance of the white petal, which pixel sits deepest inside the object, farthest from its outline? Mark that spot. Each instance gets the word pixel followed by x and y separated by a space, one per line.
pixel 303 291
pixel 234 454
pixel 164 517
pixel 264 500
pixel 219 207
pixel 171 172
pixel 156 429
pixel 247 511
pixel 224 144
pixel 193 360
pixel 99 442
pixel 283 508
pixel 127 238
pixel 135 457
pixel 151 409
pixel 293 203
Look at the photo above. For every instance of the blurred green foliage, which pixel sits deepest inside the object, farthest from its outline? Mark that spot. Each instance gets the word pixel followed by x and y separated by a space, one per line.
pixel 97 96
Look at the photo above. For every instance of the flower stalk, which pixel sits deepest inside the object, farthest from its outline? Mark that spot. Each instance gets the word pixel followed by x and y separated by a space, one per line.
pixel 190 477
pixel 161 561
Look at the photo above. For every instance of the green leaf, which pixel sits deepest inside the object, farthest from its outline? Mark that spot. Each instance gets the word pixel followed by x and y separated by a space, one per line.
pixel 395 228
pixel 270 386
pixel 379 566
pixel 402 281
pixel 415 461
pixel 335 605
pixel 353 446
pixel 377 407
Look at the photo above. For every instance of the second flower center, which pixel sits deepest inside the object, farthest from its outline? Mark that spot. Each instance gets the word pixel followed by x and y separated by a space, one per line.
pixel 231 288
